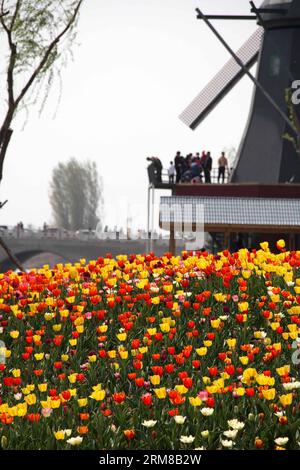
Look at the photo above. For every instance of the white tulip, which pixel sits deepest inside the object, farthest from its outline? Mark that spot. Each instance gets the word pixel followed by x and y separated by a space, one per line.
pixel 179 419
pixel 75 441
pixel 149 424
pixel 281 441
pixel 235 424
pixel 207 411
pixel 231 433
pixel 187 439
pixel 227 443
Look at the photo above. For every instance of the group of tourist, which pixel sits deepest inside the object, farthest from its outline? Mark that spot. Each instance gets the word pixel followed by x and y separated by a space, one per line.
pixel 190 169
pixel 196 168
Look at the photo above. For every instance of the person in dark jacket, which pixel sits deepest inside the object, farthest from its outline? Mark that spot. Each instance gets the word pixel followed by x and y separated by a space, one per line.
pixel 207 166
pixel 157 165
pixel 178 166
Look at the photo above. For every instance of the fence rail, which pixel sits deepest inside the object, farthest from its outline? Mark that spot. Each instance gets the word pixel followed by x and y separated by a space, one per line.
pixel 213 175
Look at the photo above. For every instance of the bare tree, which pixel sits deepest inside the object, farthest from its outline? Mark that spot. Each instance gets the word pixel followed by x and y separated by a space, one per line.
pixel 35 53
pixel 76 195
pixel 34 30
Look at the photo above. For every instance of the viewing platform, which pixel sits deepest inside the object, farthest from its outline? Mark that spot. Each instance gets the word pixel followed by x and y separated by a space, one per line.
pixel 234 211
pixel 250 190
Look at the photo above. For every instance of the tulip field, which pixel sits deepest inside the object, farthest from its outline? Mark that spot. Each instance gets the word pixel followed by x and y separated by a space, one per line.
pixel 197 351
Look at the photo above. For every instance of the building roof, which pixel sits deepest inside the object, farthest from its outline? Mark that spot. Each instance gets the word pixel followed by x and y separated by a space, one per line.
pixel 236 213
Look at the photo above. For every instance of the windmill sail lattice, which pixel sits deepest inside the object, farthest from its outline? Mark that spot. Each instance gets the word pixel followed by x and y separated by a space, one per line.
pixel 223 82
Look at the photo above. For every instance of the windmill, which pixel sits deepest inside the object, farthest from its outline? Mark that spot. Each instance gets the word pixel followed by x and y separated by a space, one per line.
pixel 269 150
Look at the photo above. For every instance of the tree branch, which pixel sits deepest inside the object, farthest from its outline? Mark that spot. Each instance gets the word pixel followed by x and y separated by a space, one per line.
pixel 50 48
pixel 17 9
pixel 13 54
pixel 2 14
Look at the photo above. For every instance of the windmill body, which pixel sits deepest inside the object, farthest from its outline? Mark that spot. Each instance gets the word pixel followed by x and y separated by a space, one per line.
pixel 269 150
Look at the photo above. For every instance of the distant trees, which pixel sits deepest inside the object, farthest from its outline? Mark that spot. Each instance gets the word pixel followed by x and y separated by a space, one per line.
pixel 76 195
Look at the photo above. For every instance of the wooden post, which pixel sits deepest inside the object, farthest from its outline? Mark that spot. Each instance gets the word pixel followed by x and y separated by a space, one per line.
pixel 227 240
pixel 292 243
pixel 172 242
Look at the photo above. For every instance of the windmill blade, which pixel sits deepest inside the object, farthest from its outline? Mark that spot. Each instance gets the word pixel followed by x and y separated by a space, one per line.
pixel 223 82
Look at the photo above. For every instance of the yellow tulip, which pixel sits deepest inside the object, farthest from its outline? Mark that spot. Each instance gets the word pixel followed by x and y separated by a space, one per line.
pixel 112 354
pixel 201 351
pixel 206 380
pixel 195 401
pixel 39 356
pixel 287 399
pixel 165 327
pixel 215 323
pixel 161 393
pixel 181 389
pixel 281 244
pixel 48 316
pixel 220 297
pixel 122 336
pixel 16 372
pixel 30 399
pixel 284 370
pixel 269 394
pixel 243 306
pixel 98 395
pixel 14 334
pixel 79 321
pixel 57 327
pixel 155 379
pixel 152 331
pixel 102 328
pixel 244 360
pixel 123 354
pixel 42 387
pixel 55 403
pixel 72 378
pixel 231 343
pixel 82 402
pixel 264 246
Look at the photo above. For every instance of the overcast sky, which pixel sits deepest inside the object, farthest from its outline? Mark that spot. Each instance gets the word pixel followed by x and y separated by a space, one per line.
pixel 138 64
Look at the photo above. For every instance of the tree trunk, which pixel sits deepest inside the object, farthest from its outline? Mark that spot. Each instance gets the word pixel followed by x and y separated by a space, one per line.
pixel 11 255
pixel 5 136
pixel 3 149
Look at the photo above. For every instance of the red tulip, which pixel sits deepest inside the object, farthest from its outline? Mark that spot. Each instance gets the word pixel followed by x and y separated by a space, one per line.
pixel 147 399
pixel 119 397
